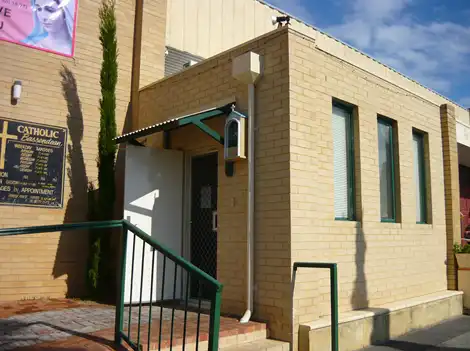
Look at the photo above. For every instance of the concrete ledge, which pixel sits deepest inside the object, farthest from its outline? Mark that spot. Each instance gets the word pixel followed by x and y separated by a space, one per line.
pixel 361 328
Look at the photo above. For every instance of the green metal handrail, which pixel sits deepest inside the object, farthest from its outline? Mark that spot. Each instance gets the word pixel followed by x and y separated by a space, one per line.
pixel 61 227
pixel 170 254
pixel 191 271
pixel 333 295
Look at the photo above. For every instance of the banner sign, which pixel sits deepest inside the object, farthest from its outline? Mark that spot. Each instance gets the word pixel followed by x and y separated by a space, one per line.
pixel 47 25
pixel 32 159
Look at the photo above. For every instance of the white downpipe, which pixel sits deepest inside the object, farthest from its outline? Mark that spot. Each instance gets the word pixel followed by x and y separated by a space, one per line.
pixel 251 205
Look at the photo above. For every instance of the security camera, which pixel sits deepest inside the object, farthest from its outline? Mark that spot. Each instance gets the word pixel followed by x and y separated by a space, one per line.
pixel 280 20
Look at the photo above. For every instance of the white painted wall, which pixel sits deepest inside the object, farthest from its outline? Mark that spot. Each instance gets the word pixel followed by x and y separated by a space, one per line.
pixel 463 133
pixel 208 27
pixel 153 201
pixel 463 143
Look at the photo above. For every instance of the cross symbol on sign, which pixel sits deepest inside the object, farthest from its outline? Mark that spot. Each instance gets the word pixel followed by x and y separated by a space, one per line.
pixel 4 136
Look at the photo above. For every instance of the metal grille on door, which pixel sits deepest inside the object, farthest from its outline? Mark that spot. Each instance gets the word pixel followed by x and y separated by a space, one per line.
pixel 204 218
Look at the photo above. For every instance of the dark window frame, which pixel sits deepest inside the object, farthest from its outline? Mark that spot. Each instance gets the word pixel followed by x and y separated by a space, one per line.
pixel 351 161
pixel 390 123
pixel 423 177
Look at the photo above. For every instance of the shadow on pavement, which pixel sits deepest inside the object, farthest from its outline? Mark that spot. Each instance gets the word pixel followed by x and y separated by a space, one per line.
pixel 14 335
pixel 411 346
pixel 450 335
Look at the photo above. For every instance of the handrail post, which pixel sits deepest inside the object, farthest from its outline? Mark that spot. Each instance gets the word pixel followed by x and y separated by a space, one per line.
pixel 118 325
pixel 215 321
pixel 334 307
pixel 333 267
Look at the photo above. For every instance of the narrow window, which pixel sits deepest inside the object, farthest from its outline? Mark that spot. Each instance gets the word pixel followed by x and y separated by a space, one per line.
pixel 386 170
pixel 343 160
pixel 232 133
pixel 420 177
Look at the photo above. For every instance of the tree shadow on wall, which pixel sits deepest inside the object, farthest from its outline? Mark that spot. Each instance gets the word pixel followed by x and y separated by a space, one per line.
pixel 72 251
pixel 359 297
pixel 121 164
pixel 116 242
pixel 380 332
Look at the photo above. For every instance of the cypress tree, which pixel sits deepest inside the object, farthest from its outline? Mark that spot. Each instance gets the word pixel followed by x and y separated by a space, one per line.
pixel 100 240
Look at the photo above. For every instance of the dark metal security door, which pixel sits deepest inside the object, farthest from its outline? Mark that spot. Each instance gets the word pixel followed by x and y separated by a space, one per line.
pixel 204 219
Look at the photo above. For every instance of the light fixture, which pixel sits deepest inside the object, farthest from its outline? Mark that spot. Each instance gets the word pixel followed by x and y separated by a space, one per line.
pixel 16 93
pixel 279 20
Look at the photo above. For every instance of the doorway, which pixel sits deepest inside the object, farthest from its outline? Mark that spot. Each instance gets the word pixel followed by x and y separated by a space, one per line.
pixel 464 178
pixel 203 234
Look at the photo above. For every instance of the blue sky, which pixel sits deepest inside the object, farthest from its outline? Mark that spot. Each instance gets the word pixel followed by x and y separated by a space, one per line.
pixel 428 40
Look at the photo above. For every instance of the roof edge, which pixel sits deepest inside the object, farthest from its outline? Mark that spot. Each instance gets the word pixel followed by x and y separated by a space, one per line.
pixel 358 50
pixel 271 34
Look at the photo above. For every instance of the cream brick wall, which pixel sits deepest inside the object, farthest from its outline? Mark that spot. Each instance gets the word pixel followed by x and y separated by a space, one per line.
pixel 205 85
pixel 377 262
pixel 65 92
pixel 452 188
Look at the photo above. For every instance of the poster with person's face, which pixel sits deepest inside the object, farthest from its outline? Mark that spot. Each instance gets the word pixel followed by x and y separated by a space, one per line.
pixel 47 25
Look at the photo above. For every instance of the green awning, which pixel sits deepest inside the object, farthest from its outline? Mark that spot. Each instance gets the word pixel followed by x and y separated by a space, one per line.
pixel 173 123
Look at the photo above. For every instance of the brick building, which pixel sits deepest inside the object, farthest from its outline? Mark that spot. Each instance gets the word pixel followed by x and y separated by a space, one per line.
pixel 354 163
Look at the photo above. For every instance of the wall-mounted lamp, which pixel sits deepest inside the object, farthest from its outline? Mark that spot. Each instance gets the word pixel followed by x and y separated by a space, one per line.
pixel 16 91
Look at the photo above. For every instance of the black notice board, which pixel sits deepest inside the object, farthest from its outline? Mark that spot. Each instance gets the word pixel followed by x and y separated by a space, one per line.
pixel 32 161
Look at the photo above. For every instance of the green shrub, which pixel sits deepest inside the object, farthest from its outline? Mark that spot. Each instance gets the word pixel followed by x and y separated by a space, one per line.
pixel 459 248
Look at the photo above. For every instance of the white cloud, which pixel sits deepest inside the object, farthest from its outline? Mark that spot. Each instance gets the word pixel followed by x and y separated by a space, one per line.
pixel 379 10
pixel 430 53
pixel 356 31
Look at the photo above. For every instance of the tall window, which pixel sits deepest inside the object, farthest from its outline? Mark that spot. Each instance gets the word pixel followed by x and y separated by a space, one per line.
pixel 420 177
pixel 343 150
pixel 386 170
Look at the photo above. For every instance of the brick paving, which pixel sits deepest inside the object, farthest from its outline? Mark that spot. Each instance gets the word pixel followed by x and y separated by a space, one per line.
pixel 99 341
pixel 92 328
pixel 8 309
pixel 33 328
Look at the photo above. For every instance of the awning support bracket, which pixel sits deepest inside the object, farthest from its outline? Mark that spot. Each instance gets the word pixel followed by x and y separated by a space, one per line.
pixel 135 142
pixel 211 132
pixel 197 119
pixel 198 122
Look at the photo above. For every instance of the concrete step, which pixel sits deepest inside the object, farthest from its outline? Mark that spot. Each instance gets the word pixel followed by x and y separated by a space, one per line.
pixel 232 336
pixel 259 345
pixel 227 341
pixel 377 324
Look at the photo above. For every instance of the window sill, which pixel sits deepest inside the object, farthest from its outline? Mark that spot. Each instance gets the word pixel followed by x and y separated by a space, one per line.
pixel 424 228
pixel 347 223
pixel 391 225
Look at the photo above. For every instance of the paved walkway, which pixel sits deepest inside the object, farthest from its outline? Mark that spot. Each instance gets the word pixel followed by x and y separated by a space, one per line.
pixel 13 308
pixel 451 335
pixel 33 328
pixel 92 328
